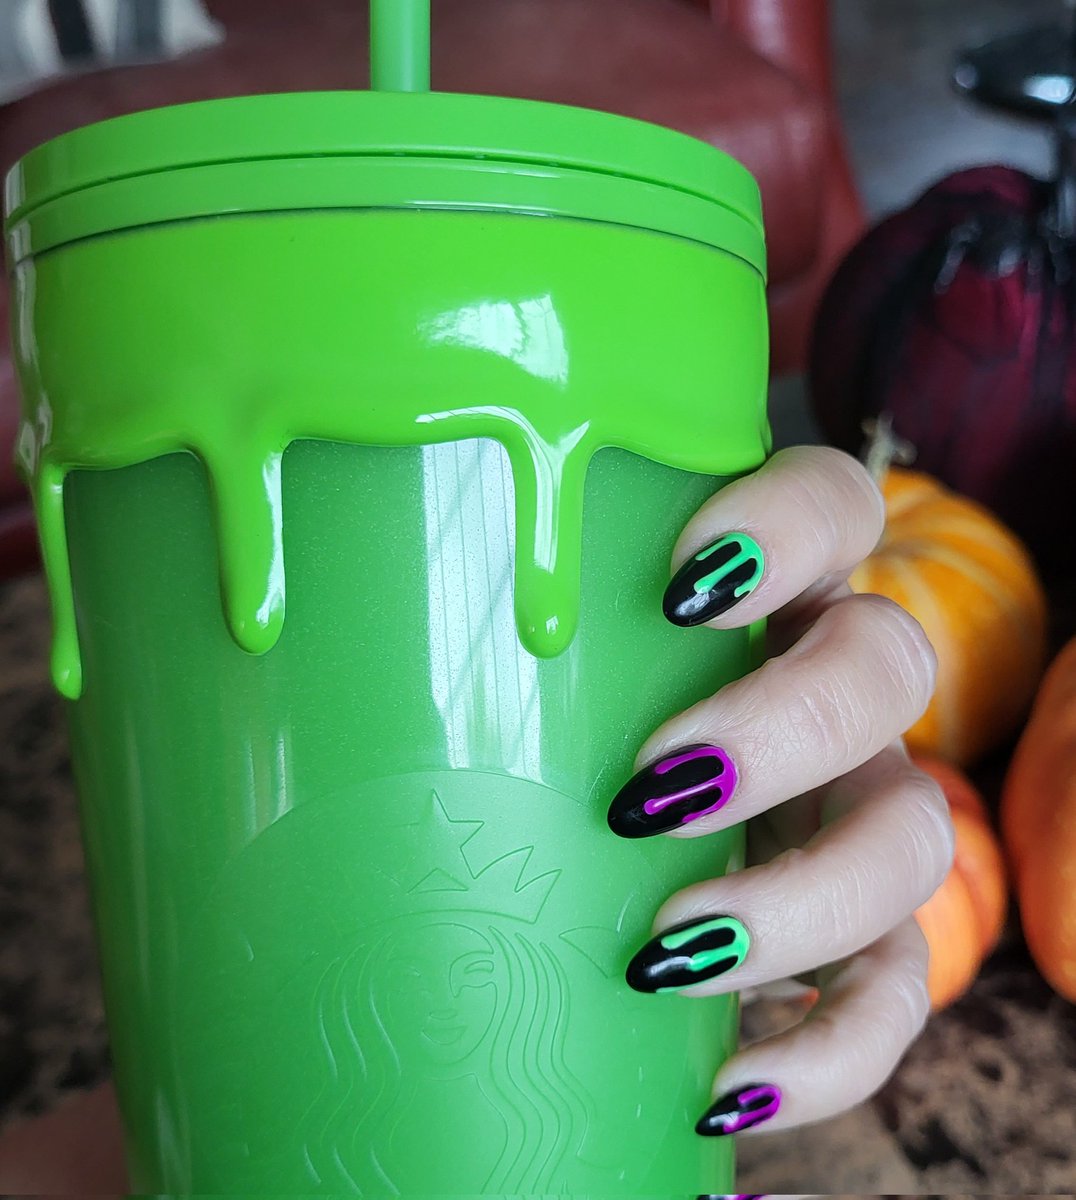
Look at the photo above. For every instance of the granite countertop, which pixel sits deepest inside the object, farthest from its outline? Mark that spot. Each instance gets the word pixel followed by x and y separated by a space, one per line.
pixel 984 1103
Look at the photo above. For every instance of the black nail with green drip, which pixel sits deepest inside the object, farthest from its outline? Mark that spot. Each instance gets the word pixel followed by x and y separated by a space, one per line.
pixel 714 581
pixel 689 953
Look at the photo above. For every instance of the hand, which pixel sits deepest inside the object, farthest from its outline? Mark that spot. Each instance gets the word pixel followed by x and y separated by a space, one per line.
pixel 849 837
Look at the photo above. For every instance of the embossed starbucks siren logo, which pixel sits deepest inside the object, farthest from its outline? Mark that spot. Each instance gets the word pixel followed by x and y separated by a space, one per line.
pixel 451 1013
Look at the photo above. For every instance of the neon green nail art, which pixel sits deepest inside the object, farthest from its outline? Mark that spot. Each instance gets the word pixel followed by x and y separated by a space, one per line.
pixel 737 947
pixel 750 552
pixel 723 943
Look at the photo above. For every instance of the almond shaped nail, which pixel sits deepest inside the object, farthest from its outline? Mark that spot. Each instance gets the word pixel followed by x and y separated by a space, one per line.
pixel 687 784
pixel 714 581
pixel 689 953
pixel 743 1108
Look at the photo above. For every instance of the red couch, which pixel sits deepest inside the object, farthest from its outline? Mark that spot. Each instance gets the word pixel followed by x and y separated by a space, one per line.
pixel 750 76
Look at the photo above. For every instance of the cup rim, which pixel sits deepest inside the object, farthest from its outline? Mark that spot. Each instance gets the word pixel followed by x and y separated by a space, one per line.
pixel 481 152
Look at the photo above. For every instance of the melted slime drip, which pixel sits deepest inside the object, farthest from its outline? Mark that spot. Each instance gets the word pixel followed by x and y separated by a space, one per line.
pixel 555 338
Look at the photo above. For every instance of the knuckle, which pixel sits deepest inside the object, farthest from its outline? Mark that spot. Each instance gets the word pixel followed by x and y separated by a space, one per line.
pixel 786 876
pixel 899 965
pixel 909 1014
pixel 826 693
pixel 806 904
pixel 933 844
pixel 819 718
pixel 914 991
pixel 864 494
pixel 839 495
pixel 871 1049
pixel 905 656
pixel 861 676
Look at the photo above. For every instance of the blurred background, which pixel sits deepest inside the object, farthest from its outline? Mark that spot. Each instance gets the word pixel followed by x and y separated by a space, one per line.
pixel 906 125
pixel 945 335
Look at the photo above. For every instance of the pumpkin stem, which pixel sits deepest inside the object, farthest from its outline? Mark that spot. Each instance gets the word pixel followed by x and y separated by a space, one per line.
pixel 884 447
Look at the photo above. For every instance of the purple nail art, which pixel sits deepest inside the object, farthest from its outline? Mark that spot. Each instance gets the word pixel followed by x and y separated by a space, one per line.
pixel 690 783
pixel 741 1109
pixel 723 783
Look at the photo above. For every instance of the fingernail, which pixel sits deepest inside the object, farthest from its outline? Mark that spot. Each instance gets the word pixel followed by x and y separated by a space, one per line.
pixel 680 788
pixel 743 1108
pixel 688 954
pixel 715 580
pixel 730 1196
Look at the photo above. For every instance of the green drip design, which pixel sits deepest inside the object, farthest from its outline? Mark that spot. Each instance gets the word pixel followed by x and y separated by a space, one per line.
pixel 737 948
pixel 750 551
pixel 234 365
pixel 699 962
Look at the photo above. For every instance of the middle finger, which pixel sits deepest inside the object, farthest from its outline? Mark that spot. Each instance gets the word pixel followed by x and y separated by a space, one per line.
pixel 853 684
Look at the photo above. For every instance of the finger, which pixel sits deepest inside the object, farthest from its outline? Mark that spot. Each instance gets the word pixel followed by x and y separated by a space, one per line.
pixel 854 683
pixel 887 850
pixel 810 513
pixel 872 1008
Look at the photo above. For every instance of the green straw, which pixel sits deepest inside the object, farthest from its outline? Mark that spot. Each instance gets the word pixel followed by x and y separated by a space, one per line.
pixel 400 45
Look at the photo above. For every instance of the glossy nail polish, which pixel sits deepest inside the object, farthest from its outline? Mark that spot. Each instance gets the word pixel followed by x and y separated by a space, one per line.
pixel 730 1196
pixel 715 580
pixel 680 788
pixel 688 954
pixel 743 1108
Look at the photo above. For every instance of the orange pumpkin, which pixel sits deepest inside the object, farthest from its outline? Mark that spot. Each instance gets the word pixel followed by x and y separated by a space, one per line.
pixel 964 918
pixel 1038 821
pixel 972 586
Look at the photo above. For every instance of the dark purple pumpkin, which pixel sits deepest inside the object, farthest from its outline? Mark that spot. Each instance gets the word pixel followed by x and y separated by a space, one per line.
pixel 956 317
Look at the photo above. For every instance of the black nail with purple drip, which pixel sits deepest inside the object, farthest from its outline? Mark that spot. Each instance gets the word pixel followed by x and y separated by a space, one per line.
pixel 678 789
pixel 743 1108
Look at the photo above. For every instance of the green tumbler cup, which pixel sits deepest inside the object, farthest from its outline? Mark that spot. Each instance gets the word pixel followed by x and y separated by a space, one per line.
pixel 442 376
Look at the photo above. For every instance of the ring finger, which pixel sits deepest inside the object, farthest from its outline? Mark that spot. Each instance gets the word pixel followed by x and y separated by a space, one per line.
pixel 885 851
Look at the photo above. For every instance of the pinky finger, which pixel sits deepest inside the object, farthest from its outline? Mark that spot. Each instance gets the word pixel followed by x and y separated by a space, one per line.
pixel 872 1007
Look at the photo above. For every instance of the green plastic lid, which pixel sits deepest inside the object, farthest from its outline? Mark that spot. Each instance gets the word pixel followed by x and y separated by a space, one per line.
pixel 399 146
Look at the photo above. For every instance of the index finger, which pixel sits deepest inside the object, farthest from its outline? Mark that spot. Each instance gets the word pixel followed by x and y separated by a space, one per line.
pixel 810 514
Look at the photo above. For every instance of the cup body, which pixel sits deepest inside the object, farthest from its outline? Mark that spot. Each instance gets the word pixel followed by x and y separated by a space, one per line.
pixel 363 925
